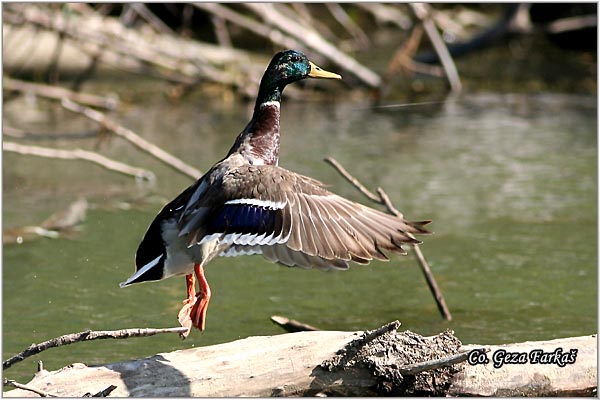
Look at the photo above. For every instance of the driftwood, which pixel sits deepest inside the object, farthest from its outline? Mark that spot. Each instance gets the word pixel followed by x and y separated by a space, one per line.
pixel 422 11
pixel 88 38
pixel 342 17
pixel 291 325
pixel 107 40
pixel 315 42
pixel 404 61
pixel 78 37
pixel 383 13
pixel 325 363
pixel 250 24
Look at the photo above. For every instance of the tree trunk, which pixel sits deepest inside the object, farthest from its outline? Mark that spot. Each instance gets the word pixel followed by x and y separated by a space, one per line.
pixel 333 363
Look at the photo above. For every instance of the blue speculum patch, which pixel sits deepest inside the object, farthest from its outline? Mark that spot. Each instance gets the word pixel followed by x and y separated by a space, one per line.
pixel 244 218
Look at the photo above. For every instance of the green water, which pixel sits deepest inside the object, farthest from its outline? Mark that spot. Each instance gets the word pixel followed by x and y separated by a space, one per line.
pixel 509 180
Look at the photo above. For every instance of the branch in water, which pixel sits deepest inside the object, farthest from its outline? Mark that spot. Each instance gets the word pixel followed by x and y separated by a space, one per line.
pixel 384 200
pixel 291 325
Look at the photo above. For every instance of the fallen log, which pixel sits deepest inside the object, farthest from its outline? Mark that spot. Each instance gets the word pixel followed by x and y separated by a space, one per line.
pixel 107 39
pixel 315 42
pixel 325 363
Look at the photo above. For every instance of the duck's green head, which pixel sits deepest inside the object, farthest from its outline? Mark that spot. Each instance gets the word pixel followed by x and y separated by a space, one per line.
pixel 286 67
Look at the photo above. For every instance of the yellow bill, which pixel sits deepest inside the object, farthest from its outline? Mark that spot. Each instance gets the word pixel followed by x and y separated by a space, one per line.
pixel 318 72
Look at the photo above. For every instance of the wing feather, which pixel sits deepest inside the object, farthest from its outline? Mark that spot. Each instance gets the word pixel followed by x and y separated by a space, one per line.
pixel 284 255
pixel 333 246
pixel 347 242
pixel 292 219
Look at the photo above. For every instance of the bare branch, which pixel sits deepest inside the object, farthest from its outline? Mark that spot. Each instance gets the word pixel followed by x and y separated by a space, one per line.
pixel 57 92
pixel 86 335
pixel 572 23
pixel 51 227
pixel 384 200
pixel 134 138
pixel 79 154
pixel 167 56
pixel 15 384
pixel 386 13
pixel 221 32
pixel 152 19
pixel 28 135
pixel 315 42
pixel 414 369
pixel 344 20
pixel 353 181
pixel 102 393
pixel 274 35
pixel 421 10
pixel 431 282
pixel 68 218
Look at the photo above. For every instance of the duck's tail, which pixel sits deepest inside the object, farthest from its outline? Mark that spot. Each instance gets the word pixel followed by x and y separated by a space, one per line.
pixel 149 258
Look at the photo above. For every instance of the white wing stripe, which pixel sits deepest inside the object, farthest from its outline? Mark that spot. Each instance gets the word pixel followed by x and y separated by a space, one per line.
pixel 273 205
pixel 241 251
pixel 244 239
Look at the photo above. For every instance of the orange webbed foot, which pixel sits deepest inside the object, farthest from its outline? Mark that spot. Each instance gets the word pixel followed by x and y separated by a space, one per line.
pixel 184 316
pixel 193 312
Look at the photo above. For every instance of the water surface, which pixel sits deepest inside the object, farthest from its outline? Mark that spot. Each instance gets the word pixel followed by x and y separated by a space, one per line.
pixel 510 182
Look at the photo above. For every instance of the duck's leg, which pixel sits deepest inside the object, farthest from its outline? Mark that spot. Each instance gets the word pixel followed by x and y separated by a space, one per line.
pixel 193 312
pixel 184 315
pixel 199 309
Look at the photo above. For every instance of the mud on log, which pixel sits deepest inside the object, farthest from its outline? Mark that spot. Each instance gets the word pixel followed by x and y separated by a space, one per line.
pixel 325 363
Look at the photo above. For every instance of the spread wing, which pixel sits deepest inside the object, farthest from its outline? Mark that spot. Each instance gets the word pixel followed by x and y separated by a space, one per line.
pixel 293 220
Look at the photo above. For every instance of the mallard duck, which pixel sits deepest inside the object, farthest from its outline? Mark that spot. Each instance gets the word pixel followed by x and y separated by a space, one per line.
pixel 246 204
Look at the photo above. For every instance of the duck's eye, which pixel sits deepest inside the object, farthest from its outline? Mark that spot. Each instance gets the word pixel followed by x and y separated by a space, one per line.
pixel 295 59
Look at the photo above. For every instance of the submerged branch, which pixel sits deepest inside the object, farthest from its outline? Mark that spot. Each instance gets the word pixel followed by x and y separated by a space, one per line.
pixel 291 325
pixel 384 200
pixel 432 283
pixel 63 220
